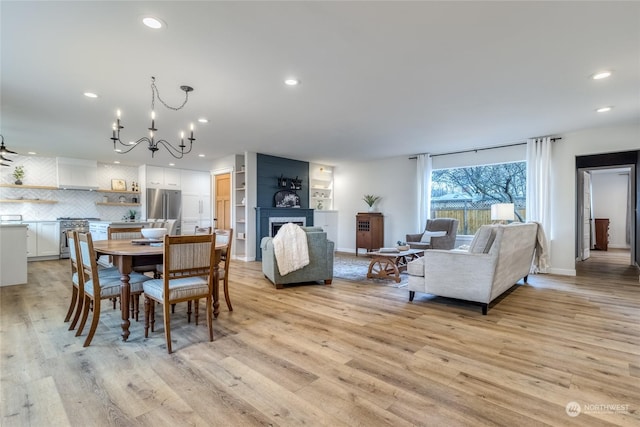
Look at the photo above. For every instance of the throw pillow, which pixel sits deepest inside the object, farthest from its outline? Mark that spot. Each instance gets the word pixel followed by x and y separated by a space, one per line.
pixel 482 241
pixel 427 235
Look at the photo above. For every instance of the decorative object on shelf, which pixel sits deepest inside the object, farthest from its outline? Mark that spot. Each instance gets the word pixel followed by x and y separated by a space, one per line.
pixel 122 199
pixel 18 174
pixel 402 245
pixel 105 199
pixel 370 200
pixel 118 184
pixel 292 183
pixel 286 199
pixel 319 207
pixel 296 184
pixel 153 145
pixel 4 150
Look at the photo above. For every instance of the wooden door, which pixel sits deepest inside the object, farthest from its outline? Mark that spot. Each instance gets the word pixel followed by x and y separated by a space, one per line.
pixel 223 201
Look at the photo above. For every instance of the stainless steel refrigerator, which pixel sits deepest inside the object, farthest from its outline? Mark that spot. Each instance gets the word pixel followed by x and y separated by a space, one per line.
pixel 165 204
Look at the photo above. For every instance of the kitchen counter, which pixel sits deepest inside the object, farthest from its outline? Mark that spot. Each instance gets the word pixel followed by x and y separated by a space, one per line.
pixel 121 223
pixel 13 250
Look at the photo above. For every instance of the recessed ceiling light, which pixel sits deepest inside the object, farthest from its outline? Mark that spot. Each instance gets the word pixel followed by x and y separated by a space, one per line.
pixel 153 22
pixel 601 75
pixel 32 152
pixel 603 109
pixel 117 162
pixel 292 82
pixel 117 150
pixel 172 164
pixel 90 95
pixel 203 120
pixel 200 155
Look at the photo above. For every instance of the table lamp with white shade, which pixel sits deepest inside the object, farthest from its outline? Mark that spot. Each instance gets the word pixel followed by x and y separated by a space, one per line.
pixel 502 212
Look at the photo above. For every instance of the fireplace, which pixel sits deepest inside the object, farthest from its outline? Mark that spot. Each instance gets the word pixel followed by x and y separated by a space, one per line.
pixel 269 221
pixel 275 222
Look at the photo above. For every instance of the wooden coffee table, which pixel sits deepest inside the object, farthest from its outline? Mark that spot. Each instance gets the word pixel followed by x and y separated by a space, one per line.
pixel 389 265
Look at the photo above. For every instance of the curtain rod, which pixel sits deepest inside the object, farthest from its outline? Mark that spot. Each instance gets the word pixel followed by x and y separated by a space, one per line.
pixel 473 150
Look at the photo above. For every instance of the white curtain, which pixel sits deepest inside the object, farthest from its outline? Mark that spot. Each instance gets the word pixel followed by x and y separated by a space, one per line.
pixel 424 168
pixel 539 184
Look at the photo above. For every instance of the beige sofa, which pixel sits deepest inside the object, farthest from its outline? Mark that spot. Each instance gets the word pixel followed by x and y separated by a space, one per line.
pixel 498 257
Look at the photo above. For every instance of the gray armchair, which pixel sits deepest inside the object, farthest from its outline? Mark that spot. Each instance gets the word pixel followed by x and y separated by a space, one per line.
pixel 448 241
pixel 320 265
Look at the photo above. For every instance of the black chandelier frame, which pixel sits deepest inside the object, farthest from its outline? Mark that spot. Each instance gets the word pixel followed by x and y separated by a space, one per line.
pixel 154 145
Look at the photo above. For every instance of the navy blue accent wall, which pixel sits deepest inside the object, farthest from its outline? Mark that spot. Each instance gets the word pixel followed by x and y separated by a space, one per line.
pixel 270 168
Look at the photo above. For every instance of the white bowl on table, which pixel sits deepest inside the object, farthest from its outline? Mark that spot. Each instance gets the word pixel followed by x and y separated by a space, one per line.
pixel 153 233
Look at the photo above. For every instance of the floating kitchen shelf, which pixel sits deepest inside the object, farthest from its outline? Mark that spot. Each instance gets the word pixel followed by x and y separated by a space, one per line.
pixel 116 204
pixel 48 187
pixel 118 191
pixel 30 187
pixel 28 201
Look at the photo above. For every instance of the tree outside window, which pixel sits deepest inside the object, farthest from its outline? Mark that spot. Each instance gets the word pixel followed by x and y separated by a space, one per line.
pixel 468 193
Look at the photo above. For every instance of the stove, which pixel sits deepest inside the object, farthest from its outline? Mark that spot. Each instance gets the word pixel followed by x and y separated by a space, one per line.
pixel 68 224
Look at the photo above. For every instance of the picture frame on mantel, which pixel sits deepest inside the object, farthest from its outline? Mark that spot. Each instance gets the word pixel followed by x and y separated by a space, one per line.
pixel 118 185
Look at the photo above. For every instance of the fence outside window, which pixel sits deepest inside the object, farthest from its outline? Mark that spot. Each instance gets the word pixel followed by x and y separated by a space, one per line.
pixel 469 213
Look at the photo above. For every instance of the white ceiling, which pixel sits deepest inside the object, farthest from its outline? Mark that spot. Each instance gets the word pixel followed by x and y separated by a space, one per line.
pixel 378 78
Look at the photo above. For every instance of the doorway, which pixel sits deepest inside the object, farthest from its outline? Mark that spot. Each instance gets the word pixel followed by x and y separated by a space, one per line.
pixel 222 187
pixel 606 225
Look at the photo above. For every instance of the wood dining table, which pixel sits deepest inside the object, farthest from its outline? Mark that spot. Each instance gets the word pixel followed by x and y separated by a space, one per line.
pixel 126 255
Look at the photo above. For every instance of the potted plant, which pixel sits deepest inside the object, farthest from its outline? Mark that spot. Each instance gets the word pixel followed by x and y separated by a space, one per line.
pixel 370 199
pixel 132 215
pixel 18 174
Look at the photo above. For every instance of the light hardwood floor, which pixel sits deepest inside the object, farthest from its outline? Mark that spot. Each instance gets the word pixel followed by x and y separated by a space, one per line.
pixel 349 354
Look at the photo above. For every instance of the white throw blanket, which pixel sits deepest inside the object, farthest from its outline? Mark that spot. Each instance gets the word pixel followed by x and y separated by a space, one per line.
pixel 541 256
pixel 290 248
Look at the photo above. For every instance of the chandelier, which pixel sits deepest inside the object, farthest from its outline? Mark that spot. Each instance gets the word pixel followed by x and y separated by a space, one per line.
pixel 152 144
pixel 3 151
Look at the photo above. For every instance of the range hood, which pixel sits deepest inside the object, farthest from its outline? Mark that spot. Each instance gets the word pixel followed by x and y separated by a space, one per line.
pixel 77 174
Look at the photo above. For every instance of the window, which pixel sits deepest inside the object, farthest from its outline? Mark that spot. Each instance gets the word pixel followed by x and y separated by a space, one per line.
pixel 467 193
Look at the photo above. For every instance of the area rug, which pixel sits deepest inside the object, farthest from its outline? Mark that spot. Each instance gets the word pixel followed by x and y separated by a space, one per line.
pixel 351 267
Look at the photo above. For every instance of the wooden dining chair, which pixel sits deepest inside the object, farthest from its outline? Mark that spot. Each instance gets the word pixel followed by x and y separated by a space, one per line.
pixel 222 236
pixel 131 233
pixel 225 258
pixel 94 289
pixel 202 230
pixel 187 275
pixel 75 304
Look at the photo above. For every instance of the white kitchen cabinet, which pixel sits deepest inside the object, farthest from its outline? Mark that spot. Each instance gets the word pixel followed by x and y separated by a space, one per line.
pixel 43 238
pixel 196 199
pixel 158 177
pixel 328 220
pixel 13 247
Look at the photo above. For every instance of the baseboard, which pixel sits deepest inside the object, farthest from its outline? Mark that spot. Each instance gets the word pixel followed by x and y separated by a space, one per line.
pixel 563 271
pixel 616 246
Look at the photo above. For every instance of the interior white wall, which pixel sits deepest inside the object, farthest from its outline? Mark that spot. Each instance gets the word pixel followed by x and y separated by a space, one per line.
pixel 563 182
pixel 393 179
pixel 609 195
